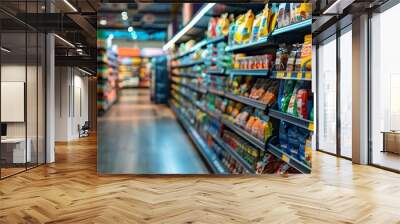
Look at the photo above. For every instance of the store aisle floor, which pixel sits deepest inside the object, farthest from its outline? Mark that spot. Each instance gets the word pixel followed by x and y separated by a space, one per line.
pixel 138 137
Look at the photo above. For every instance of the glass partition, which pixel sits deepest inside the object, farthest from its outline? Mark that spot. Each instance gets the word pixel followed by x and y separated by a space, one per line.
pixel 346 92
pixel 385 89
pixel 15 149
pixel 22 88
pixel 327 96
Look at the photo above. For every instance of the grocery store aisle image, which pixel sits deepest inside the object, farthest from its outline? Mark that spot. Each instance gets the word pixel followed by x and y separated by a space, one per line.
pixel 138 137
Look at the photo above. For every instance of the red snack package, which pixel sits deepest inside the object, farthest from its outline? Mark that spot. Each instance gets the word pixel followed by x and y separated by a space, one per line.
pixel 302 98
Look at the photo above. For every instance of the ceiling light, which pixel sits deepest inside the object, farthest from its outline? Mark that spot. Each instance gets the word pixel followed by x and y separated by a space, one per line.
pixel 65 41
pixel 79 50
pixel 130 29
pixel 124 17
pixel 192 22
pixel 5 50
pixel 70 5
pixel 103 22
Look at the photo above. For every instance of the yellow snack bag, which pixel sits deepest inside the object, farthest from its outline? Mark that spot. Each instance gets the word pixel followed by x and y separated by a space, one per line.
pixel 223 25
pixel 265 22
pixel 244 28
pixel 273 17
pixel 306 53
pixel 304 10
pixel 237 36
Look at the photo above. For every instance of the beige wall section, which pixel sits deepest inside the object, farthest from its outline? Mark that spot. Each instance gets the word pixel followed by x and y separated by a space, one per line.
pixel 71 102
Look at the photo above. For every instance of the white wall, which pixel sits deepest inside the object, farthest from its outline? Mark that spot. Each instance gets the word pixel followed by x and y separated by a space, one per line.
pixel 71 102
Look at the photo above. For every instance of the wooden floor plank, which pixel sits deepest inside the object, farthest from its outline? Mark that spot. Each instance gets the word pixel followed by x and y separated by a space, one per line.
pixel 70 191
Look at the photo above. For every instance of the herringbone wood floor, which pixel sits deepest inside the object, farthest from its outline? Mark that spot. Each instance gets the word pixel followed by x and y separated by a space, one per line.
pixel 70 191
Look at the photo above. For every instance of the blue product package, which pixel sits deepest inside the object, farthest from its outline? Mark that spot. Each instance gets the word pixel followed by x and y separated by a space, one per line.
pixel 302 138
pixel 283 138
pixel 281 93
pixel 293 141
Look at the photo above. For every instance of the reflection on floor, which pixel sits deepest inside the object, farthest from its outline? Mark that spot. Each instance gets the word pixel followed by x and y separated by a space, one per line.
pixel 386 159
pixel 138 137
pixel 5 172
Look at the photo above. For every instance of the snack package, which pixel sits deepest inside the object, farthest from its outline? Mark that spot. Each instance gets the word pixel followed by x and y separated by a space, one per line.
pixel 223 25
pixel 243 116
pixel 265 19
pixel 274 16
pixel 283 136
pixel 232 29
pixel 308 151
pixel 250 123
pixel 282 55
pixel 270 95
pixel 212 27
pixel 304 11
pixel 291 62
pixel 245 87
pixel 306 53
pixel 302 103
pixel 244 28
pixel 289 86
pixel 292 107
pixel 284 15
pixel 268 130
pixel 302 137
pixel 293 143
pixel 256 27
pixel 238 25
pixel 257 125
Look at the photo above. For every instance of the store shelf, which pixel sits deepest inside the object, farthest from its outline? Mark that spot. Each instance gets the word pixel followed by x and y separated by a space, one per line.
pixel 213 114
pixel 244 134
pixel 215 40
pixel 306 24
pixel 245 100
pixel 184 95
pixel 186 75
pixel 219 71
pixel 255 45
pixel 233 153
pixel 216 92
pixel 196 88
pixel 266 41
pixel 212 159
pixel 300 122
pixel 278 152
pixel 253 72
pixel 306 76
pixel 189 64
pixel 192 87
pixel 201 45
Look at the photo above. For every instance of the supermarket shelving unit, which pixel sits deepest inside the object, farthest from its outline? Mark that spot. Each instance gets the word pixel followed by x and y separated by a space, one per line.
pixel 269 146
pixel 107 79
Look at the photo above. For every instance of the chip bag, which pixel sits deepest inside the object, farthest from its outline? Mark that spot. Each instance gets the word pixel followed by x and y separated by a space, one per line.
pixel 244 29
pixel 306 53
pixel 264 28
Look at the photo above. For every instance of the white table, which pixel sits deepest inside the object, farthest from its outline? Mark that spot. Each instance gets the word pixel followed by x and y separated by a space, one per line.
pixel 18 144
